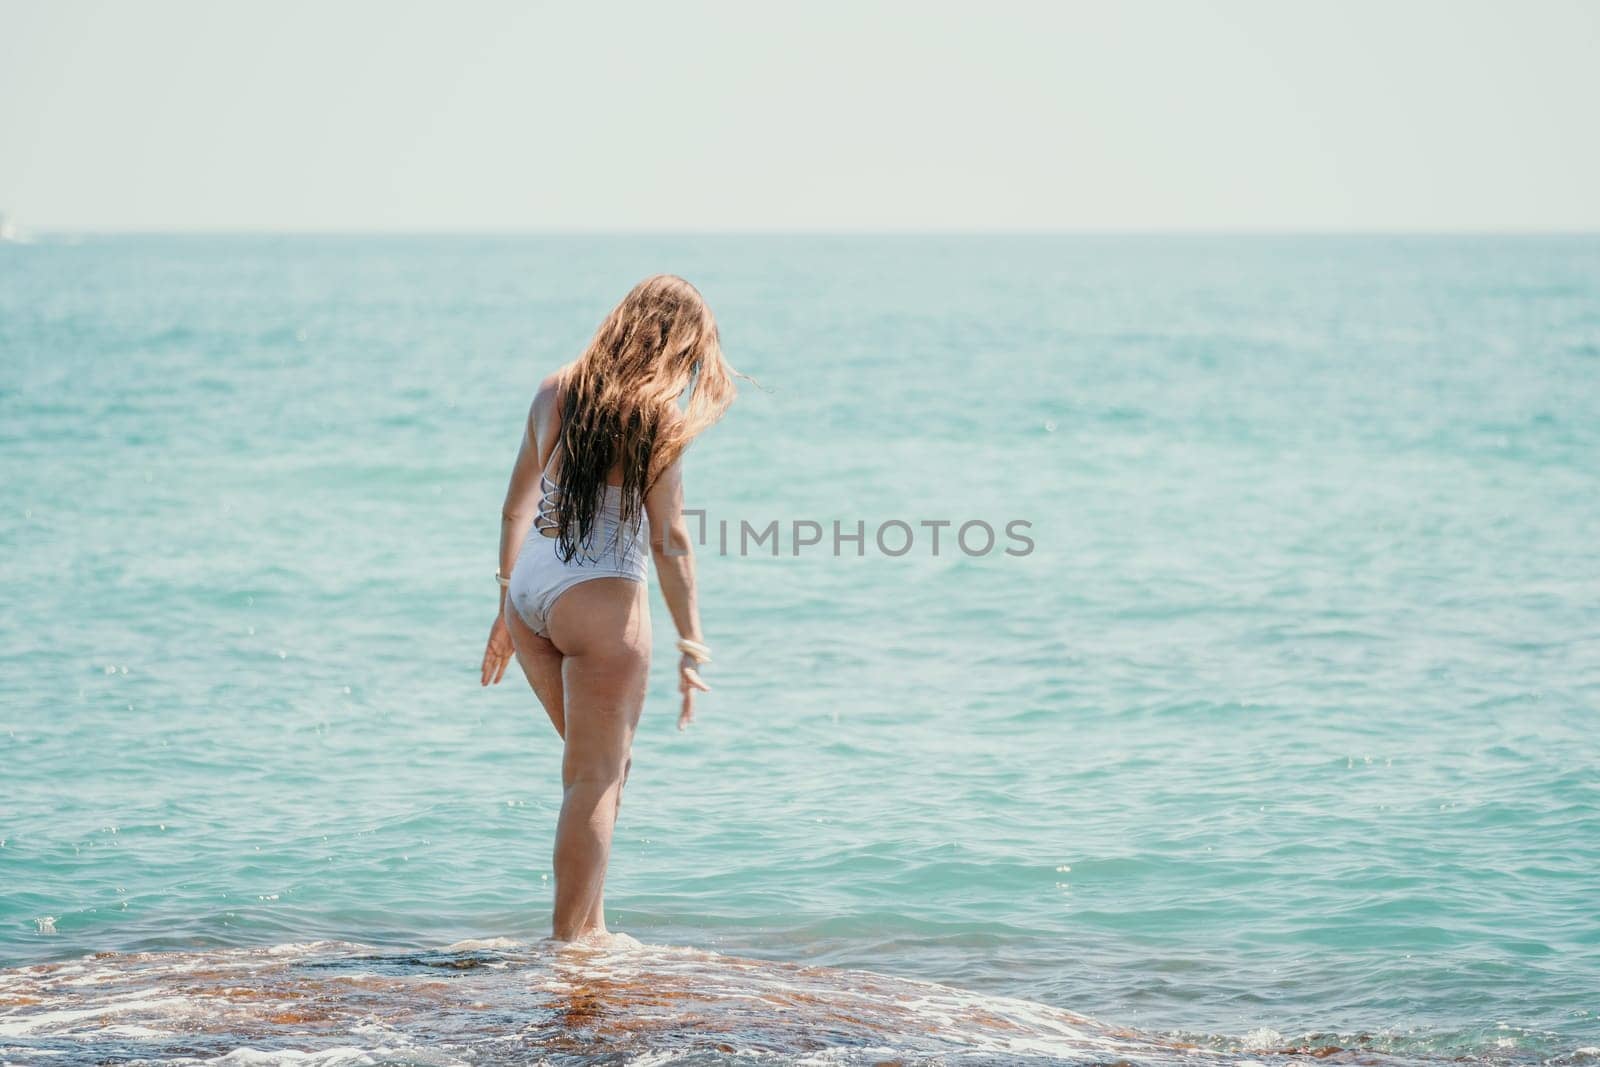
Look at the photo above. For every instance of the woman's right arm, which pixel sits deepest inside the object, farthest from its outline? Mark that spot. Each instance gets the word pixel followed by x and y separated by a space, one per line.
pixel 674 560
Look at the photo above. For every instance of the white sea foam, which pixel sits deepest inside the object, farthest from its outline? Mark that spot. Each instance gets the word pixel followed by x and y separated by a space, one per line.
pixel 1263 1038
pixel 486 944
pixel 343 1056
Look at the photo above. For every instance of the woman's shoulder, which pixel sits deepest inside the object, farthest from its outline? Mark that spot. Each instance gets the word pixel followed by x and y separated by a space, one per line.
pixel 672 419
pixel 544 414
pixel 550 389
pixel 547 397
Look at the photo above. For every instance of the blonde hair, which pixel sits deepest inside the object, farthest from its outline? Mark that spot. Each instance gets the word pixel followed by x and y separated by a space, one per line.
pixel 620 401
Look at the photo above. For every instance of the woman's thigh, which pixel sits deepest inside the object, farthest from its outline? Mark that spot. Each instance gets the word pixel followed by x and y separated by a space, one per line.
pixel 602 629
pixel 541 662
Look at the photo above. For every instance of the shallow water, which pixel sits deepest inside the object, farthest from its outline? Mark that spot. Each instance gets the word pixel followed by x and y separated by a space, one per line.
pixel 500 1002
pixel 1283 736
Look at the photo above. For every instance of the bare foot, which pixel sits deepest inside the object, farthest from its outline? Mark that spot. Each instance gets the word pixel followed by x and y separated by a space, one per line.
pixel 598 940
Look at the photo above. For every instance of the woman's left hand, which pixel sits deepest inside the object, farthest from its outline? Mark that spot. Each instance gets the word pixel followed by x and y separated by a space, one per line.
pixel 688 682
pixel 498 653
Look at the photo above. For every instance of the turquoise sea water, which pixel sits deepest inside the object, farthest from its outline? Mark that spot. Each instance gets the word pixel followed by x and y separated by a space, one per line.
pixel 1283 735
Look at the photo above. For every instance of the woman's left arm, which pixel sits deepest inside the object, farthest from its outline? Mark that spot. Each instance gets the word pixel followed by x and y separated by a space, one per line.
pixel 516 519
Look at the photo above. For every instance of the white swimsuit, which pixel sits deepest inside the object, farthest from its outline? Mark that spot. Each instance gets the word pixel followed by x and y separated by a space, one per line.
pixel 614 549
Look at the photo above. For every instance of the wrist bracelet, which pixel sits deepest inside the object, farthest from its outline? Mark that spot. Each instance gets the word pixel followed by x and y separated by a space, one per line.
pixel 700 653
pixel 501 579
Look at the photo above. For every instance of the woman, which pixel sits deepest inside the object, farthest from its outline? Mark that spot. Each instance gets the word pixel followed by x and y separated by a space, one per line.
pixel 597 478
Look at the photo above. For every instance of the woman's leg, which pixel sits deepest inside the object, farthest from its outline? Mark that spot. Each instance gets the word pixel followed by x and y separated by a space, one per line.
pixel 602 628
pixel 541 662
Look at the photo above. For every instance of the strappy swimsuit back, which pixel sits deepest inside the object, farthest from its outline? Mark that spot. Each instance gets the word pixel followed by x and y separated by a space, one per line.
pixel 614 549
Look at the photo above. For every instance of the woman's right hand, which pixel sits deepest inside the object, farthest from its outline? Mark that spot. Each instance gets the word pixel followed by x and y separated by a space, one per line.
pixel 498 652
pixel 688 682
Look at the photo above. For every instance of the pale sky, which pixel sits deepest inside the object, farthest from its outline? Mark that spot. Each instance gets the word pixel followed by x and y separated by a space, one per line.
pixel 510 115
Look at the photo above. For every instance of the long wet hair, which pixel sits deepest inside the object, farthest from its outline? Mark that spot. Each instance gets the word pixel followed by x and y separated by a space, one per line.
pixel 623 400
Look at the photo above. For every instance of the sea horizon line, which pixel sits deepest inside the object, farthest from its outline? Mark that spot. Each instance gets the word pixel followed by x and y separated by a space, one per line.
pixel 48 232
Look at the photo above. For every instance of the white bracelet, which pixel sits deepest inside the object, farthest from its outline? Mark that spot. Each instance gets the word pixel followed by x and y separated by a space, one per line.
pixel 694 650
pixel 502 579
